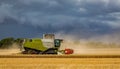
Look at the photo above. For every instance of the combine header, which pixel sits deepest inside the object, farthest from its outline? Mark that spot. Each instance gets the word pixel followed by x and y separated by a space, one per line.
pixel 47 45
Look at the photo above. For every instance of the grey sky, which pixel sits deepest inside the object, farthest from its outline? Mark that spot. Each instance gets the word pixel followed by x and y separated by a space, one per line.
pixel 78 17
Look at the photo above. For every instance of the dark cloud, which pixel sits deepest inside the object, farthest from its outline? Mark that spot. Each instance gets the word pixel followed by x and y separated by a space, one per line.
pixel 79 17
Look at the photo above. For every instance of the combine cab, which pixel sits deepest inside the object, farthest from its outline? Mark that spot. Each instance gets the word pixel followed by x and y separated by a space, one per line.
pixel 47 45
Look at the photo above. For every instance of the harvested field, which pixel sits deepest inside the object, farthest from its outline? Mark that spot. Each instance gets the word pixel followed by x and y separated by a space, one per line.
pixel 60 62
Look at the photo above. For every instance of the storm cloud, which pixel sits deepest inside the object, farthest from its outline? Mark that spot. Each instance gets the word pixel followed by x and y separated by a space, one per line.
pixel 82 18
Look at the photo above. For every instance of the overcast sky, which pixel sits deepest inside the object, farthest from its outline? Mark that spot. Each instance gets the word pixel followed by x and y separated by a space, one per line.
pixel 82 18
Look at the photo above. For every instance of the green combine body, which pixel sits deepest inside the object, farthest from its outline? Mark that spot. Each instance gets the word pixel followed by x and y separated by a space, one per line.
pixel 41 46
pixel 35 44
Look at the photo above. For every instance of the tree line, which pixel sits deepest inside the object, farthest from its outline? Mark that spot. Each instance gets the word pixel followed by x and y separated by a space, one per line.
pixel 7 42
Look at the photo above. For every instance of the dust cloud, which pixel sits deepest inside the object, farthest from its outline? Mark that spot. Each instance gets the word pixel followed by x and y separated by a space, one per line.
pixel 14 49
pixel 109 44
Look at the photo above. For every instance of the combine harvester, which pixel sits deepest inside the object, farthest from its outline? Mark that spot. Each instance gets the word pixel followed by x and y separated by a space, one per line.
pixel 47 45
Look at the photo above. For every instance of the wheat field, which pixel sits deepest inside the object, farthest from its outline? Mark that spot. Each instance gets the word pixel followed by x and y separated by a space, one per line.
pixel 59 63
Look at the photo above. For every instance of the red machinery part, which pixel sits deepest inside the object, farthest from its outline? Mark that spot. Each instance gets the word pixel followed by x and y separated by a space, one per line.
pixel 69 51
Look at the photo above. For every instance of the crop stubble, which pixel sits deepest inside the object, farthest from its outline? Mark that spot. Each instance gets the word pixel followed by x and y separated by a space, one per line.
pixel 39 62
